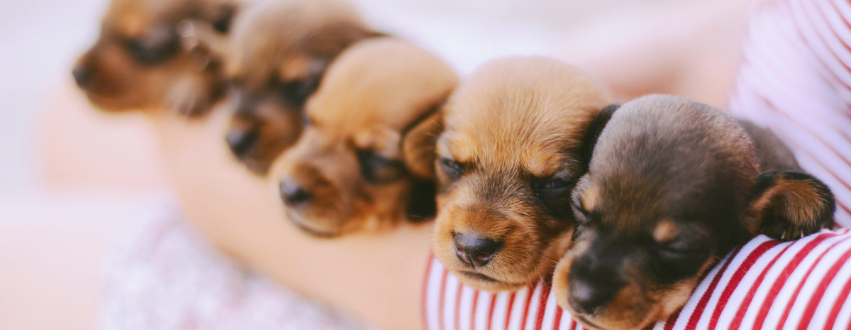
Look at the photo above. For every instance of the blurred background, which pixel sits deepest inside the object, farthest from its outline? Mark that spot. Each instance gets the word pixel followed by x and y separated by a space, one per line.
pixel 62 199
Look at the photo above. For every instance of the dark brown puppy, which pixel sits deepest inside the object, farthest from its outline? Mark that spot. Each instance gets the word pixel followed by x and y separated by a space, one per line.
pixel 674 185
pixel 508 159
pixel 363 161
pixel 275 57
pixel 139 62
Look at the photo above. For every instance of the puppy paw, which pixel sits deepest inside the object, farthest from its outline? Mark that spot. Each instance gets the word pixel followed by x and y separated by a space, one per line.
pixel 790 205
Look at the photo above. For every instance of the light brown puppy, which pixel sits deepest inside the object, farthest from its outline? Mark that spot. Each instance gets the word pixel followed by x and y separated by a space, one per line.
pixel 139 61
pixel 363 160
pixel 510 155
pixel 673 186
pixel 275 57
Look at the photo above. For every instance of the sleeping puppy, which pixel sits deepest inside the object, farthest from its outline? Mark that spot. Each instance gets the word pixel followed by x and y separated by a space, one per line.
pixel 510 154
pixel 363 160
pixel 673 186
pixel 275 57
pixel 139 61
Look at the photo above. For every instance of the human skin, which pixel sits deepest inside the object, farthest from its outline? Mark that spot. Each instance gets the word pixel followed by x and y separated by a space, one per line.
pixel 376 277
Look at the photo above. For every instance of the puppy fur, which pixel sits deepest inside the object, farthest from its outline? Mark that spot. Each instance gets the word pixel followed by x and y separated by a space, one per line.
pixel 139 61
pixel 276 55
pixel 356 165
pixel 510 154
pixel 674 185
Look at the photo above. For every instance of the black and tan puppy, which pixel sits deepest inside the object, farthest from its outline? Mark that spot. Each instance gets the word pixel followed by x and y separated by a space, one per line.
pixel 510 154
pixel 275 57
pixel 673 186
pixel 363 160
pixel 139 61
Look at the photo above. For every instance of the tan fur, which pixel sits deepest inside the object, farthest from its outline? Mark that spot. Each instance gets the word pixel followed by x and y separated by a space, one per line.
pixel 512 116
pixel 368 98
pixel 665 231
pixel 277 49
pixel 184 81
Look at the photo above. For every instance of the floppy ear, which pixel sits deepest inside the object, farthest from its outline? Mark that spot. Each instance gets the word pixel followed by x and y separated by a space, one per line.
pixel 418 152
pixel 594 129
pixel 419 144
pixel 789 204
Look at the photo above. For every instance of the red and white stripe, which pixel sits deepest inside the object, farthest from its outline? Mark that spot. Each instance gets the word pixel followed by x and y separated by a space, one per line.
pixel 765 284
pixel 795 79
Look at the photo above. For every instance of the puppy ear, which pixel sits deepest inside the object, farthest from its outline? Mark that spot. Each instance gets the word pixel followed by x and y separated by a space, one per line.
pixel 789 205
pixel 594 129
pixel 419 143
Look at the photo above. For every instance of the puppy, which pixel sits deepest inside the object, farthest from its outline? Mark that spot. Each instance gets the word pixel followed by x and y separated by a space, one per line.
pixel 673 186
pixel 510 154
pixel 275 57
pixel 139 62
pixel 363 160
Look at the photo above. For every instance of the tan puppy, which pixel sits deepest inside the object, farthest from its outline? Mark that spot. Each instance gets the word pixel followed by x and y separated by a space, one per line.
pixel 673 186
pixel 363 160
pixel 138 61
pixel 511 153
pixel 275 57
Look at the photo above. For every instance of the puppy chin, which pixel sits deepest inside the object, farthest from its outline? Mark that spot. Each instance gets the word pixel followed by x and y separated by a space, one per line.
pixel 312 227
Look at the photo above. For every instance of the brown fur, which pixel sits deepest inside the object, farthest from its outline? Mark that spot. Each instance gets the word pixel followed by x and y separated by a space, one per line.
pixel 350 158
pixel 275 57
pixel 672 186
pixel 139 61
pixel 516 123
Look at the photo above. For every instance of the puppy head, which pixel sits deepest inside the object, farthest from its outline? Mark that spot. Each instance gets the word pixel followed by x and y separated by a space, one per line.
pixel 509 156
pixel 669 191
pixel 277 55
pixel 354 165
pixel 139 62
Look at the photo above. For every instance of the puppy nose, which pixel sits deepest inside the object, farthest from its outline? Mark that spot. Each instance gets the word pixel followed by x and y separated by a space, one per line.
pixel 586 297
pixel 293 193
pixel 82 76
pixel 242 142
pixel 475 250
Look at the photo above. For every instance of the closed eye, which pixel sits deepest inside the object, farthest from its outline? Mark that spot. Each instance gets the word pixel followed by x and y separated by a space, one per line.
pixel 156 46
pixel 453 169
pixel 554 194
pixel 377 169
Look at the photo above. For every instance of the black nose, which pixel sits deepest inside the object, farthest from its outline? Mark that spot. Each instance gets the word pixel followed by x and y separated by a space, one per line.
pixel 475 250
pixel 292 193
pixel 82 76
pixel 242 142
pixel 587 297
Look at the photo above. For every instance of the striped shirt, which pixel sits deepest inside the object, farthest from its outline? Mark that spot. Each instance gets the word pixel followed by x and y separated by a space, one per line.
pixel 795 79
pixel 766 284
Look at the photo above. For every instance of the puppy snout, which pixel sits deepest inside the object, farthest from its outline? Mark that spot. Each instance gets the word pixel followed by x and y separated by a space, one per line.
pixel 82 76
pixel 242 141
pixel 293 193
pixel 475 250
pixel 587 297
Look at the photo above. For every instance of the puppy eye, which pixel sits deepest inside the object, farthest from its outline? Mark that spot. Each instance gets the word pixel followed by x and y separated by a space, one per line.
pixel 556 184
pixel 453 169
pixel 159 44
pixel 377 169
pixel 554 193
